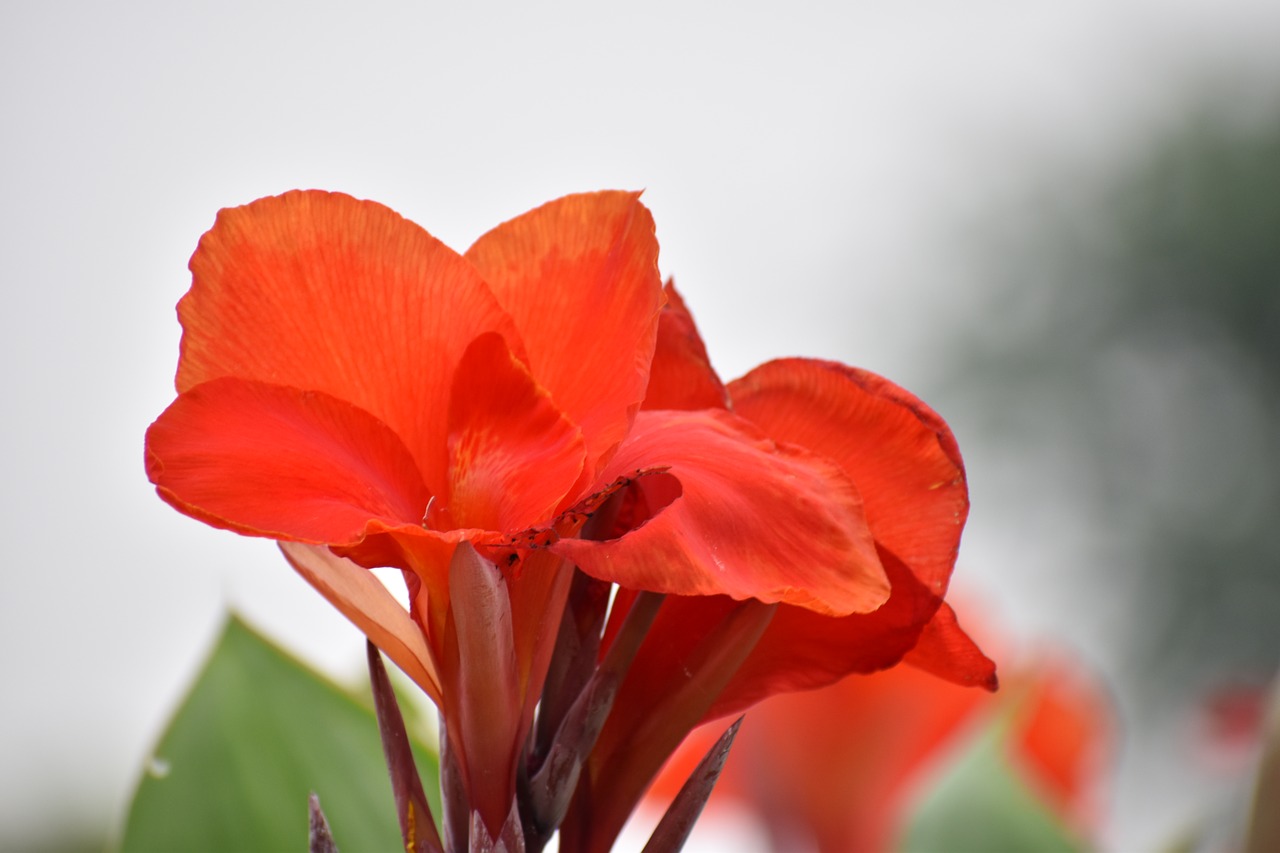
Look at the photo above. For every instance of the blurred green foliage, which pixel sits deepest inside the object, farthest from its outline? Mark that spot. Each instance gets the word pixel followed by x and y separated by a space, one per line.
pixel 258 732
pixel 980 802
pixel 1135 340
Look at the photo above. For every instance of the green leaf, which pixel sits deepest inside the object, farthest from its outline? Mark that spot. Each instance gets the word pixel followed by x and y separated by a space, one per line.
pixel 259 732
pixel 981 804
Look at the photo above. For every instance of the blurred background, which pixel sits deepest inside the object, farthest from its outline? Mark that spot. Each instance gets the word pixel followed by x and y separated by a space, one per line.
pixel 1058 223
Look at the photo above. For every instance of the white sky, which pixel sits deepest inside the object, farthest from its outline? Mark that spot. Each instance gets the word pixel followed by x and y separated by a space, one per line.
pixel 808 170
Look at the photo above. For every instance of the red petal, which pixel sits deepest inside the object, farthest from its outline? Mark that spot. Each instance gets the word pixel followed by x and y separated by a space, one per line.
pixel 580 277
pixel 898 452
pixel 323 292
pixel 801 650
pixel 512 454
pixel 681 376
pixel 946 651
pixel 272 461
pixel 753 520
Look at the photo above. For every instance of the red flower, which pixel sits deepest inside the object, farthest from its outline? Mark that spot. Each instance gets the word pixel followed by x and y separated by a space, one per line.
pixel 354 389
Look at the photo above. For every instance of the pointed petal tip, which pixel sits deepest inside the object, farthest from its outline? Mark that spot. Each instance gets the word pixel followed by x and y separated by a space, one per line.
pixel 681 375
pixel 677 823
pixel 945 650
pixel 320 839
pixel 417 825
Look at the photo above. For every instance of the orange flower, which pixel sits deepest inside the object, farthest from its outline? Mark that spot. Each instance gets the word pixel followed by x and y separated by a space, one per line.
pixel 356 390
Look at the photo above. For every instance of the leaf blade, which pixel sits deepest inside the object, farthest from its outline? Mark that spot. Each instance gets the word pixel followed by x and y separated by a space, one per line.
pixel 257 733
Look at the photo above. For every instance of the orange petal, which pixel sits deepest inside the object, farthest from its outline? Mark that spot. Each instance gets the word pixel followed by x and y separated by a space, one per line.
pixel 267 460
pixel 324 292
pixel 946 651
pixel 363 599
pixel 753 520
pixel 898 452
pixel 580 278
pixel 681 376
pixel 512 454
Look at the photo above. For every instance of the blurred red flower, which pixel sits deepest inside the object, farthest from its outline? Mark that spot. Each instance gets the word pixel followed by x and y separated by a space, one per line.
pixel 839 769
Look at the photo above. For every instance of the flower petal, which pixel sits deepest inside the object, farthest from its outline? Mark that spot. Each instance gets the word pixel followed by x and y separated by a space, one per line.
pixel 801 650
pixel 267 460
pixel 363 599
pixel 897 450
pixel 324 292
pixel 681 376
pixel 512 454
pixel 946 651
pixel 580 278
pixel 753 520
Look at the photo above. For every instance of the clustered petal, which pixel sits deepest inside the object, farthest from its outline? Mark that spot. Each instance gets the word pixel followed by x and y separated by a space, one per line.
pixel 495 422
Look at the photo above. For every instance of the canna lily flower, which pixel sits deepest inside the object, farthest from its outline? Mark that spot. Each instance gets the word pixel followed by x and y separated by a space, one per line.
pixel 357 391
